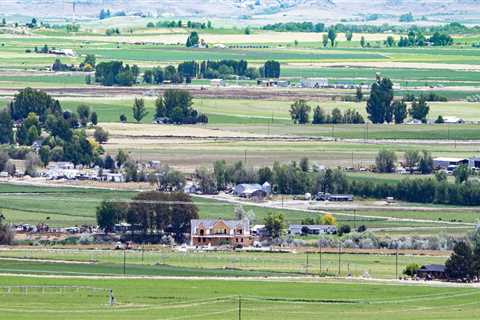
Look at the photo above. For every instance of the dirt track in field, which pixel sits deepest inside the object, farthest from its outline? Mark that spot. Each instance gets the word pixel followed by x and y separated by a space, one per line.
pixel 197 91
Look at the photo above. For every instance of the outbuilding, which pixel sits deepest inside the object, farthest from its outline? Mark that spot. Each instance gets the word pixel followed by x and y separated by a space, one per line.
pixel 432 271
pixel 447 162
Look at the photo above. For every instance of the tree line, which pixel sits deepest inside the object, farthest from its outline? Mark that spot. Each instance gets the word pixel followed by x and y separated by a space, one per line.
pixel 300 114
pixel 33 112
pixel 116 73
pixel 300 177
pixel 152 215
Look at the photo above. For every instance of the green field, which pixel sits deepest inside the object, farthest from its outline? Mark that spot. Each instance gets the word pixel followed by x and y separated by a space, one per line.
pixel 171 263
pixel 72 206
pixel 208 299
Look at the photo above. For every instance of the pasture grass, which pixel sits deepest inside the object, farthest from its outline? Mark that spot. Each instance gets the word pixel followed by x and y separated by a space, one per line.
pixel 207 299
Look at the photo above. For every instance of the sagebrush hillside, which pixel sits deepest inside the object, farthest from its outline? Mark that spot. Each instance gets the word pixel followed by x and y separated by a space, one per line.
pixel 259 11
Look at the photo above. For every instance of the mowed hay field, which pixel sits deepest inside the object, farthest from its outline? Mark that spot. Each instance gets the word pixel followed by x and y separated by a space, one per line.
pixel 209 299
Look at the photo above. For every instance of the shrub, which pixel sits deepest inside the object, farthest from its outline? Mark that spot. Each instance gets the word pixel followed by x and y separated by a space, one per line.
pixel 411 269
pixel 344 229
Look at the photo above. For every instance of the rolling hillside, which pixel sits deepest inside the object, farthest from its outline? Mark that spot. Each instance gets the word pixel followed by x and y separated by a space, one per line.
pixel 259 11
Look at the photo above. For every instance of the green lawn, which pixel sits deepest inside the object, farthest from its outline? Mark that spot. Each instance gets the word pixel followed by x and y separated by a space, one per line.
pixel 218 300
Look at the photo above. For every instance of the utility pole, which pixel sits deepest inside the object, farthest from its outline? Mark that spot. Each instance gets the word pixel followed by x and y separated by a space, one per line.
pixel 245 156
pixel 320 260
pixel 396 261
pixel 143 250
pixel 339 258
pixel 239 307
pixel 354 218
pixel 125 261
pixel 306 268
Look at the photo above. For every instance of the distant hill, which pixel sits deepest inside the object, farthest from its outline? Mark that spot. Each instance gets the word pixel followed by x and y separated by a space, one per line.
pixel 259 11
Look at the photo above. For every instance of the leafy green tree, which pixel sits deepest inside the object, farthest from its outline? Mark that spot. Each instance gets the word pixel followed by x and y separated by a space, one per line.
pixel 138 110
pixel 7 234
pixel 83 112
pixel 4 158
pixel 271 69
pixel 91 60
pixel 29 131
pixel 177 115
pixel 193 40
pixel 425 163
pixel 358 94
pixel 462 173
pixel 275 225
pixel 385 161
pixel 100 135
pixel 299 111
pixel 319 116
pixel 325 40
pixel 363 42
pixel 390 42
pixel 44 154
pixel 121 158
pixel 148 76
pixel 411 269
pixel 336 116
pixel 332 35
pixel 206 180
pixel 167 179
pixel 94 118
pixel 399 111
pixel 32 162
pixel 419 110
pixel 6 127
pixel 411 159
pixel 349 35
pixel 109 214
pixel 460 263
pixel 476 259
pixel 379 104
pixel 30 100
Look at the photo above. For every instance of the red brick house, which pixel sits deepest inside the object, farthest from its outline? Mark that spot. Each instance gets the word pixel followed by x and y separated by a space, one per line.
pixel 220 232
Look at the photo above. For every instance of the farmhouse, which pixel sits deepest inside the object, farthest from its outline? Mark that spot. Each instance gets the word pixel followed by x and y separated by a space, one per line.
pixel 220 232
pixel 448 163
pixel 299 229
pixel 314 83
pixel 432 271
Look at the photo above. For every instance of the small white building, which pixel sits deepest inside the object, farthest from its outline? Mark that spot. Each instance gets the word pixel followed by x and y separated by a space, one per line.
pixel 453 120
pixel 114 177
pixel 314 83
pixel 218 83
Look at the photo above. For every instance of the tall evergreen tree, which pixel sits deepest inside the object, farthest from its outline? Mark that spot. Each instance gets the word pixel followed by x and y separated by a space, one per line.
pixel 379 104
pixel 6 127
pixel 460 263
pixel 139 111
